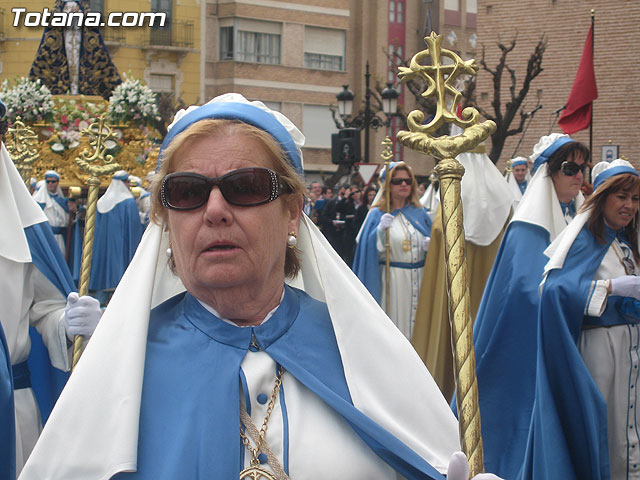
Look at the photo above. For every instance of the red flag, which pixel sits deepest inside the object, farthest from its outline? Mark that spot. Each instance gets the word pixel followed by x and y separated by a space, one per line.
pixel 577 115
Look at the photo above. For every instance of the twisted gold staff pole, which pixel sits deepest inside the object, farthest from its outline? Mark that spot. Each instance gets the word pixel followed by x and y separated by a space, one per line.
pixel 20 149
pixel 92 163
pixel 440 82
pixel 387 155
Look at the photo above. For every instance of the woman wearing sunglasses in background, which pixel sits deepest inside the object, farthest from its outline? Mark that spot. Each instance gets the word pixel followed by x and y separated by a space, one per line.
pixel 588 333
pixel 409 228
pixel 505 326
pixel 261 355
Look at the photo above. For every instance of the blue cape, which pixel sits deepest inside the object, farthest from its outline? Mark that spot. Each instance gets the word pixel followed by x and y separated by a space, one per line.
pixel 7 417
pixel 366 263
pixel 117 235
pixel 568 437
pixel 504 338
pixel 189 350
pixel 46 381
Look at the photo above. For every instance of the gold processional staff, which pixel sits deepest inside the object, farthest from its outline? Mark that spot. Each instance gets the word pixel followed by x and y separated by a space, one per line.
pixel 96 164
pixel 440 80
pixel 387 155
pixel 22 149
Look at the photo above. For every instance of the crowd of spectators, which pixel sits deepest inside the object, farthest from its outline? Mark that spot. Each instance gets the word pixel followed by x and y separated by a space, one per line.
pixel 339 213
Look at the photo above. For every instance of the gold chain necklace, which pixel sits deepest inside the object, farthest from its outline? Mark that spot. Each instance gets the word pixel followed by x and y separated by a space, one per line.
pixel 255 471
pixel 406 243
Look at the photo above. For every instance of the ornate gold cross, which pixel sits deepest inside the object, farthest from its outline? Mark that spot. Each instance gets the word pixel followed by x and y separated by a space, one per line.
pixel 20 148
pixel 440 81
pixel 96 164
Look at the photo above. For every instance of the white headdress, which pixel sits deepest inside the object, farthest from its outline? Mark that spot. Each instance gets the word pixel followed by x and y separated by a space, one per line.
pixel 18 210
pixel 117 192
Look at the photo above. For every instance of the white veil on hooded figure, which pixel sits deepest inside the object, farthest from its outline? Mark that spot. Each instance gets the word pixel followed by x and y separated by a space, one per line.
pixel 93 430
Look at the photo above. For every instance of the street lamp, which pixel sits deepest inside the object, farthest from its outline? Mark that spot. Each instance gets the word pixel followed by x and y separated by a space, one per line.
pixel 367 118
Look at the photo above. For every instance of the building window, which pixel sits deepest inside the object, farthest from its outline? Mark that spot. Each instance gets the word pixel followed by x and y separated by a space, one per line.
pixel 258 47
pixel 400 12
pixel 96 6
pixel 161 83
pixel 395 60
pixel 162 35
pixel 246 40
pixel 452 4
pixel 472 6
pixel 324 48
pixel 317 126
pixel 226 43
pixel 392 11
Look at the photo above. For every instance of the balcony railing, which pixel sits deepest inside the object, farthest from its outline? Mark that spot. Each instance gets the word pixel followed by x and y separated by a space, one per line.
pixel 178 34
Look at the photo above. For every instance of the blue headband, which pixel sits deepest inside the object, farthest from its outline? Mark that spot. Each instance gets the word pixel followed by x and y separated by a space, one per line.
pixel 550 150
pixel 383 175
pixel 611 172
pixel 519 162
pixel 246 113
pixel 51 174
pixel 121 176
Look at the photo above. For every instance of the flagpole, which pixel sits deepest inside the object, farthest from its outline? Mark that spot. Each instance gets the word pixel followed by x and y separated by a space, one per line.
pixel 593 42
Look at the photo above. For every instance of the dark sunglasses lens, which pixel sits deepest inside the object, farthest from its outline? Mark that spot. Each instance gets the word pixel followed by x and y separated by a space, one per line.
pixel 571 168
pixel 247 187
pixel 186 192
pixel 400 181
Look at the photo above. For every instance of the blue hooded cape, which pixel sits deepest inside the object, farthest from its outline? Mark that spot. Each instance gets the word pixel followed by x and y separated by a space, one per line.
pixel 117 235
pixel 568 437
pixel 504 338
pixel 366 263
pixel 46 381
pixel 184 336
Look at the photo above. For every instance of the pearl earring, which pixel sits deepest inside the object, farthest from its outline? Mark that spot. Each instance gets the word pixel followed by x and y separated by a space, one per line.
pixel 169 252
pixel 292 241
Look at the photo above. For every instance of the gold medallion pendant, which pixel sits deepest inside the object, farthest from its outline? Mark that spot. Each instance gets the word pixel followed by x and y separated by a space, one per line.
pixel 256 472
pixel 406 245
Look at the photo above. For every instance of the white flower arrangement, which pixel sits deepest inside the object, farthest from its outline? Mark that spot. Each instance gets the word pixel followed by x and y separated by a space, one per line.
pixel 28 99
pixel 133 102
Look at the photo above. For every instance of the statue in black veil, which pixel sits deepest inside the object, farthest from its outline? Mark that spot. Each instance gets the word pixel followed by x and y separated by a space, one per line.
pixel 74 60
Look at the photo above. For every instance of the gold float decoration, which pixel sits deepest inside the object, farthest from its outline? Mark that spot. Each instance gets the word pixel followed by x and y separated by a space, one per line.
pixel 136 146
pixel 95 164
pixel 440 79
pixel 21 145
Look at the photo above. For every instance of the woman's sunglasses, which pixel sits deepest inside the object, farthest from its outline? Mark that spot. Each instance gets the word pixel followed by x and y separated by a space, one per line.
pixel 246 187
pixel 572 168
pixel 400 181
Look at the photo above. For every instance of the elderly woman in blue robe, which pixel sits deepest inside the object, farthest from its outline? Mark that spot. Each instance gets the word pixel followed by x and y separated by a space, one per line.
pixel 505 326
pixel 585 421
pixel 409 227
pixel 249 348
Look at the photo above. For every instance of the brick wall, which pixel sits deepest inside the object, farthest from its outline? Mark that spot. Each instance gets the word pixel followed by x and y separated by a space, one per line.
pixel 566 24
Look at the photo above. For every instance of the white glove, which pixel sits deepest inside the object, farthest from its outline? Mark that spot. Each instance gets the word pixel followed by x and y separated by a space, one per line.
pixel 458 469
pixel 626 286
pixel 81 315
pixel 385 222
pixel 425 243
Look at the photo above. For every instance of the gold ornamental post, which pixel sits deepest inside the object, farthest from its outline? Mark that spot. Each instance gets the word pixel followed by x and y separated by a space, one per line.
pixel 96 164
pixel 21 148
pixel 440 81
pixel 387 155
